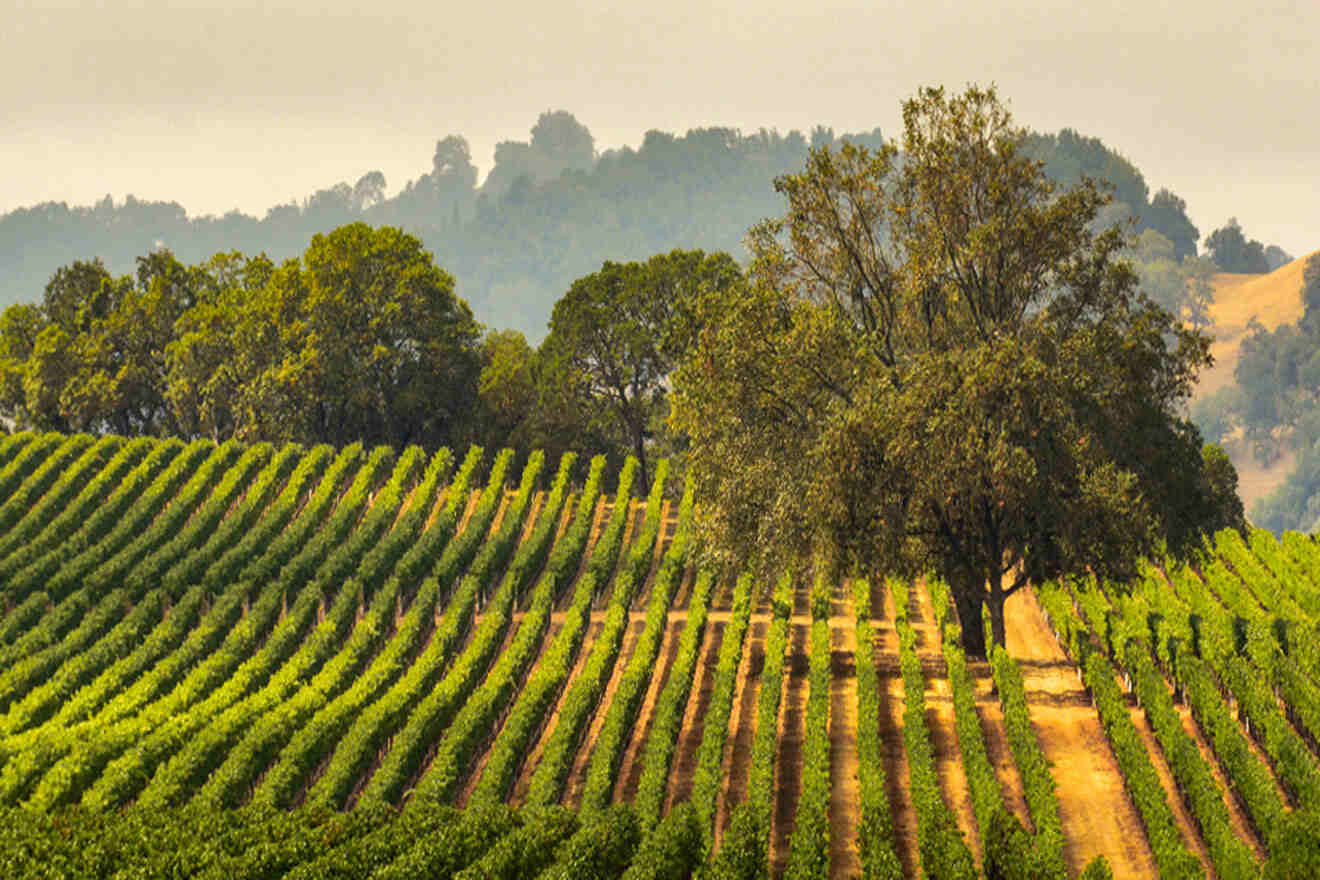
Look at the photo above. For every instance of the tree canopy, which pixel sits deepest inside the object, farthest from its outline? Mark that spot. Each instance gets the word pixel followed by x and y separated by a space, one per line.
pixel 1232 251
pixel 361 339
pixel 617 334
pixel 938 364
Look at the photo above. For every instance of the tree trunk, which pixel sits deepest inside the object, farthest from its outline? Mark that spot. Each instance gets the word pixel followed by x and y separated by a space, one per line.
pixel 968 596
pixel 639 446
pixel 995 603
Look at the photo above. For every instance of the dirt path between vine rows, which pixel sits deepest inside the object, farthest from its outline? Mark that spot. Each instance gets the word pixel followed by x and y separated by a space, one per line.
pixel 991 717
pixel 630 769
pixel 1236 811
pixel 737 764
pixel 942 722
pixel 1097 815
pixel 689 737
pixel 577 777
pixel 788 758
pixel 897 777
pixel 1186 825
pixel 524 780
pixel 845 793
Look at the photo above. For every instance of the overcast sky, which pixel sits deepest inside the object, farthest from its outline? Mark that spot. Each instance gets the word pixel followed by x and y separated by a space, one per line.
pixel 241 104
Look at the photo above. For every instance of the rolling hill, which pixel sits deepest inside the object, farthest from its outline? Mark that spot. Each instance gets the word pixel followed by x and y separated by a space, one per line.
pixel 1273 299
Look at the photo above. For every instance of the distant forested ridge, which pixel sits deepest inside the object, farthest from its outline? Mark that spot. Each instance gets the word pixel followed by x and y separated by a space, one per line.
pixel 552 209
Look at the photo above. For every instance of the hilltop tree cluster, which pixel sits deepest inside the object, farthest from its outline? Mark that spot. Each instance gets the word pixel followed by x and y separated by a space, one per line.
pixel 1232 251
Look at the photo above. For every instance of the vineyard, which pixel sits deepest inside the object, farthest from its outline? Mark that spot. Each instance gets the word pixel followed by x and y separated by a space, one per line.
pixel 228 660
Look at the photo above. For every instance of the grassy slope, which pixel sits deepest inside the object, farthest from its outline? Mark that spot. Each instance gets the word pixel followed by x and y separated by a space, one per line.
pixel 1273 299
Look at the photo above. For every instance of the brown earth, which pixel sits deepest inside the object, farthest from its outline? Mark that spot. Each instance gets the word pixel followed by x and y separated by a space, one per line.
pixel 742 728
pixel 1236 811
pixel 788 758
pixel 565 516
pixel 524 780
pixel 942 723
pixel 1097 815
pixel 689 738
pixel 845 793
pixel 630 769
pixel 1273 299
pixel 991 717
pixel 577 777
pixel 897 778
pixel 1186 824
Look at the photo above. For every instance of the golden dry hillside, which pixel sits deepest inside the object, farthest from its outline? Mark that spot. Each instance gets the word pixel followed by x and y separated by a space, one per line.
pixel 1273 299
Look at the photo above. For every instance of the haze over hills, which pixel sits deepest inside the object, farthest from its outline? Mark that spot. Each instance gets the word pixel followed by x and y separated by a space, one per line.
pixel 1273 299
pixel 551 210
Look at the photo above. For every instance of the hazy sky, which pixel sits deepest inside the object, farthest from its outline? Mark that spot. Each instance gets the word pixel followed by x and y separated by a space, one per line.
pixel 241 104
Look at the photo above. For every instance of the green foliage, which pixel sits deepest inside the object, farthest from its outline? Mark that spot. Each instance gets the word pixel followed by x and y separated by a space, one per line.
pixel 588 688
pixel 1195 780
pixel 1097 869
pixel 456 845
pixel 428 718
pixel 1298 849
pixel 1033 767
pixel 626 704
pixel 745 848
pixel 601 849
pixel 944 853
pixel 672 851
pixel 918 377
pixel 1233 252
pixel 615 337
pixel 667 718
pixel 1008 851
pixel 527 850
pixel 1139 776
pixel 360 339
pixel 875 831
pixel 708 777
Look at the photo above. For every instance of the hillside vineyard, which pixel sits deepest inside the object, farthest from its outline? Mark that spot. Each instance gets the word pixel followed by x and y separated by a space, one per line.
pixel 238 661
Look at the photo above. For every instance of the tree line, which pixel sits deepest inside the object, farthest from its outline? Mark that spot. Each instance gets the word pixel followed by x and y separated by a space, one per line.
pixel 361 338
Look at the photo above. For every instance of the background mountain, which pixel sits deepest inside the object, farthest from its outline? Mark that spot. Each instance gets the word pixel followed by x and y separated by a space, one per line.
pixel 551 210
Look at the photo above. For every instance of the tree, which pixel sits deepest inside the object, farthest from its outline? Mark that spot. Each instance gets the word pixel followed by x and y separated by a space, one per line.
pixel 507 388
pixel 1311 294
pixel 616 335
pixel 1232 252
pixel 365 340
pixel 938 366
pixel 1168 214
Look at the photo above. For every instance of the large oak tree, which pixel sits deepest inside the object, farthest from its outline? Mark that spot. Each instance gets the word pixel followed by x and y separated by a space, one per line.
pixel 938 365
